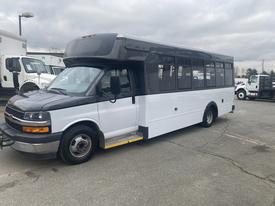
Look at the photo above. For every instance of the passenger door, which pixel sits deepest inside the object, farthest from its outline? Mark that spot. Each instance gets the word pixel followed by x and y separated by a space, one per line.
pixel 7 76
pixel 253 83
pixel 120 117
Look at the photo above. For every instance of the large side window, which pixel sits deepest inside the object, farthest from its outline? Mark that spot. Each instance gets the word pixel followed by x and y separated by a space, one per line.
pixel 198 74
pixel 219 74
pixel 161 73
pixel 166 73
pixel 184 73
pixel 228 74
pixel 153 72
pixel 210 74
pixel 124 82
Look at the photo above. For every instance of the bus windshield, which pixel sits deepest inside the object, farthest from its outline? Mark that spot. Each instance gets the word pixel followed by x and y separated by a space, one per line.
pixel 34 65
pixel 74 80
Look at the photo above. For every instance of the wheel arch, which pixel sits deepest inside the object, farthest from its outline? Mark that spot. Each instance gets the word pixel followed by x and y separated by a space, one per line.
pixel 30 84
pixel 90 123
pixel 213 106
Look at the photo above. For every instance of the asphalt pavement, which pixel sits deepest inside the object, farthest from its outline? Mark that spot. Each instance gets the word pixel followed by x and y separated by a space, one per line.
pixel 231 163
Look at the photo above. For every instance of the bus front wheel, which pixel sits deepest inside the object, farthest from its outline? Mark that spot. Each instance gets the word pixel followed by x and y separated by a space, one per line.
pixel 77 145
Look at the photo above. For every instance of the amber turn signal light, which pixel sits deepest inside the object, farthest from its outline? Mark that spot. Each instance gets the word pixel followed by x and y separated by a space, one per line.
pixel 36 129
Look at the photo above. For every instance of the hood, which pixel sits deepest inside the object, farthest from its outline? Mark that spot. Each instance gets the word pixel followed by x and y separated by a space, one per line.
pixel 45 101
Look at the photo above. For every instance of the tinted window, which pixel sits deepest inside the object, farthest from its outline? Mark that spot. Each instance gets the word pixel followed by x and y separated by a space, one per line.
pixel 162 74
pixel 92 45
pixel 219 74
pixel 153 71
pixel 184 73
pixel 198 74
pixel 124 82
pixel 210 74
pixel 228 74
pixel 166 73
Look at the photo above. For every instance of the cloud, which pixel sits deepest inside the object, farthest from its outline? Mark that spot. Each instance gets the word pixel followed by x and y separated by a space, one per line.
pixel 244 29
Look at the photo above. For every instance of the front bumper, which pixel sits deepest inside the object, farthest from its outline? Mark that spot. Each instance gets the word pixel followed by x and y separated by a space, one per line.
pixel 40 144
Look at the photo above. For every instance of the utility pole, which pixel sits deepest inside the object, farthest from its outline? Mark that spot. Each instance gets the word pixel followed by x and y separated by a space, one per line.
pixel 262 66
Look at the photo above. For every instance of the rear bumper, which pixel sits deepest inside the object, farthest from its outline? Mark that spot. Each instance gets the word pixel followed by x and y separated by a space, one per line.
pixel 40 144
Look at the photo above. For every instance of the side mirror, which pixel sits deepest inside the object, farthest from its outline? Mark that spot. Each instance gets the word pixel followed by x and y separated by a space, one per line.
pixel 115 85
pixel 249 82
pixel 12 64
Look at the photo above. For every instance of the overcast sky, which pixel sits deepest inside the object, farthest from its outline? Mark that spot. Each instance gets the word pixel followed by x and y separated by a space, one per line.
pixel 244 29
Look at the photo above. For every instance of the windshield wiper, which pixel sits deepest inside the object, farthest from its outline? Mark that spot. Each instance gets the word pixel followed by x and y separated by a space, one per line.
pixel 58 90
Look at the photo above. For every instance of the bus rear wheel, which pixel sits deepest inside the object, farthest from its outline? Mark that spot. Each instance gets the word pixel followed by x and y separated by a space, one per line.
pixel 77 145
pixel 208 117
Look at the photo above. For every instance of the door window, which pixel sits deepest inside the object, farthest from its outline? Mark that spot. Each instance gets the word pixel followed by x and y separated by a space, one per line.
pixel 124 82
pixel 253 79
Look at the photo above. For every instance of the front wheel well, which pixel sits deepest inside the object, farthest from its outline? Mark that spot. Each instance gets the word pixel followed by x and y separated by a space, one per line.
pixel 29 86
pixel 241 89
pixel 90 124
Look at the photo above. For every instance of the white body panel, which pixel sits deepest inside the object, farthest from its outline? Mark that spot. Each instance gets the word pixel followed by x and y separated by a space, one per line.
pixel 64 118
pixel 117 118
pixel 157 112
pixel 11 44
pixel 164 113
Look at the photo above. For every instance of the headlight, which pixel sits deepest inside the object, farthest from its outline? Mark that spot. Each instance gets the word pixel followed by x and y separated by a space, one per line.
pixel 37 116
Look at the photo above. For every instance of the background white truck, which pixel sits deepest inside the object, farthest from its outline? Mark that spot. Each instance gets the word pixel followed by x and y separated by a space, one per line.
pixel 18 71
pixel 257 87
pixel 53 60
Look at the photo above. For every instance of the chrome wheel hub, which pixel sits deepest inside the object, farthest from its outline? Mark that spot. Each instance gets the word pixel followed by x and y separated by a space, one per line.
pixel 209 117
pixel 80 145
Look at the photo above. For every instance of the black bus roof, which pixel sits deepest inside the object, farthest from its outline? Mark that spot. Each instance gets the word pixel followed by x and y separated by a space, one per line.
pixel 113 46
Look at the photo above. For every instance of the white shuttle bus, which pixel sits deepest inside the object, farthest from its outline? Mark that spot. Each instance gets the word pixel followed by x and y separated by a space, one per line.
pixel 117 90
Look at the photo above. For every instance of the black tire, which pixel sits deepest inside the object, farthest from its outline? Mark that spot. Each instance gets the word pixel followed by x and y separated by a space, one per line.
pixel 28 87
pixel 241 94
pixel 88 139
pixel 209 117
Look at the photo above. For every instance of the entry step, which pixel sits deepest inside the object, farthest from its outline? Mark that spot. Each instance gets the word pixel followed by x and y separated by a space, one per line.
pixel 122 140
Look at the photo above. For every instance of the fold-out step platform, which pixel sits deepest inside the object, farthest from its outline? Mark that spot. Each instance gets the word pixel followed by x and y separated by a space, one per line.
pixel 121 140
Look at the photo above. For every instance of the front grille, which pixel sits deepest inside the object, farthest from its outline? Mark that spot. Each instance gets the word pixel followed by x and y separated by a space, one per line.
pixel 15 112
pixel 13 125
pixel 10 110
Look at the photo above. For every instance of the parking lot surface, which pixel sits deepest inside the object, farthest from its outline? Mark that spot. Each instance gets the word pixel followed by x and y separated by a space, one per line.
pixel 231 163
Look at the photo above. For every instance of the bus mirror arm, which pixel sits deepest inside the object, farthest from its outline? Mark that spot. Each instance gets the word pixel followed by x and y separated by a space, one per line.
pixel 101 93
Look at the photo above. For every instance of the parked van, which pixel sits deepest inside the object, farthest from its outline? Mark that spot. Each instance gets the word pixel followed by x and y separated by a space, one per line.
pixel 118 90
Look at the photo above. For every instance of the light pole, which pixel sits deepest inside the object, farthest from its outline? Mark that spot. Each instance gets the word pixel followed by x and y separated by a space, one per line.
pixel 26 15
